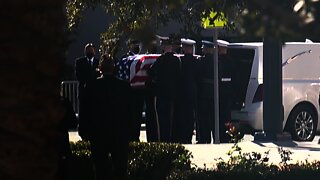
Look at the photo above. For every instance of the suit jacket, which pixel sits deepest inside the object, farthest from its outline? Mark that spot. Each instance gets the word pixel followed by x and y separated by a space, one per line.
pixel 107 109
pixel 85 72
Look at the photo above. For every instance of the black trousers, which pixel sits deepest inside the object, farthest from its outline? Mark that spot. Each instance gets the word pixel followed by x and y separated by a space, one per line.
pixel 151 119
pixel 183 125
pixel 106 166
pixel 224 116
pixel 165 110
pixel 205 120
pixel 140 98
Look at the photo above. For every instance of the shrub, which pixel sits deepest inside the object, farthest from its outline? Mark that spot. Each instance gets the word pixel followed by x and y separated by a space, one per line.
pixel 159 161
pixel 252 166
pixel 146 160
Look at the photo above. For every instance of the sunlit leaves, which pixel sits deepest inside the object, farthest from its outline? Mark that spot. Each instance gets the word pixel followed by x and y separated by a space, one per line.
pixel 75 9
pixel 286 19
pixel 141 18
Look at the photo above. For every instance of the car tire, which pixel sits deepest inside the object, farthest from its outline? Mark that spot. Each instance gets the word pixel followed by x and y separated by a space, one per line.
pixel 302 123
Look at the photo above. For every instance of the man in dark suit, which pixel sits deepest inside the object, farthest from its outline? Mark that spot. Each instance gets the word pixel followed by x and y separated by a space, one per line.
pixel 87 67
pixel 108 102
pixel 86 70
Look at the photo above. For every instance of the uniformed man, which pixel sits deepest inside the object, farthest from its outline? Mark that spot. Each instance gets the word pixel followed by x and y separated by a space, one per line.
pixel 187 98
pixel 206 94
pixel 226 70
pixel 149 94
pixel 165 74
pixel 152 47
pixel 176 44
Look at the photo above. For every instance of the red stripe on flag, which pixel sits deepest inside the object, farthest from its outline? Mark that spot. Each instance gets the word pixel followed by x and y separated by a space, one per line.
pixel 143 64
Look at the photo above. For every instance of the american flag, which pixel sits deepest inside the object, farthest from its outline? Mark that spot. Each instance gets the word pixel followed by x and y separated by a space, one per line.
pixel 134 68
pixel 139 67
pixel 123 68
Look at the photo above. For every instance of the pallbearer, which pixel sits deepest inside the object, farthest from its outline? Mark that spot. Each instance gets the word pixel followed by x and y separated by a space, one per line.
pixel 187 96
pixel 165 75
pixel 206 94
pixel 226 69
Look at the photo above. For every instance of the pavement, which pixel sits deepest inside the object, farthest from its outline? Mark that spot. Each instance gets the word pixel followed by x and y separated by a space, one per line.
pixel 207 155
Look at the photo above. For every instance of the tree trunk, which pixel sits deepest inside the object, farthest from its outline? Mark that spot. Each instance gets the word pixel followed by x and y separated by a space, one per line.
pixel 32 54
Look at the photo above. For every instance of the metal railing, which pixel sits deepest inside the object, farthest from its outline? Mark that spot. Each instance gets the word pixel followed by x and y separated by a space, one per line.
pixel 70 90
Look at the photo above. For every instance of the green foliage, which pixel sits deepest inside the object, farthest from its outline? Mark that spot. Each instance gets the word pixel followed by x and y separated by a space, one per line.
pixel 157 160
pixel 252 166
pixel 141 18
pixel 146 160
pixel 280 19
pixel 284 20
pixel 285 156
pixel 173 162
pixel 75 10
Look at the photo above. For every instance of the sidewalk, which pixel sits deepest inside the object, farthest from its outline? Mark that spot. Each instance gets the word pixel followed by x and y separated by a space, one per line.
pixel 207 155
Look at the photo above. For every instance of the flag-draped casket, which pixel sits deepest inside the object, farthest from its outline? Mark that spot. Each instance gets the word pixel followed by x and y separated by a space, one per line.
pixel 134 68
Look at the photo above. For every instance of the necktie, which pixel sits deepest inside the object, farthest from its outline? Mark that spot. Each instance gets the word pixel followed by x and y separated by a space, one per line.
pixel 90 62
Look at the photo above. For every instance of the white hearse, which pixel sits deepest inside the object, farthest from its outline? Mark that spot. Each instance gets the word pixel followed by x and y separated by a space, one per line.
pixel 301 88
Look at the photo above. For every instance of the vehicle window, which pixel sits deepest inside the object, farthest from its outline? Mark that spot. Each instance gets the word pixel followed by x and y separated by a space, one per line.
pixel 241 60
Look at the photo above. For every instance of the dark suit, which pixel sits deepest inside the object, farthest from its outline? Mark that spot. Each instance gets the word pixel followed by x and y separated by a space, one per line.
pixel 85 73
pixel 108 104
pixel 69 121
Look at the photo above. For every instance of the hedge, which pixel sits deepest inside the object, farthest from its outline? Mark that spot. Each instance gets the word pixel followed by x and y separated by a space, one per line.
pixel 252 166
pixel 146 160
pixel 160 161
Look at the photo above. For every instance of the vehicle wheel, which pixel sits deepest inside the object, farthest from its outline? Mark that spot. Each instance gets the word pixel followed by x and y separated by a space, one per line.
pixel 302 123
